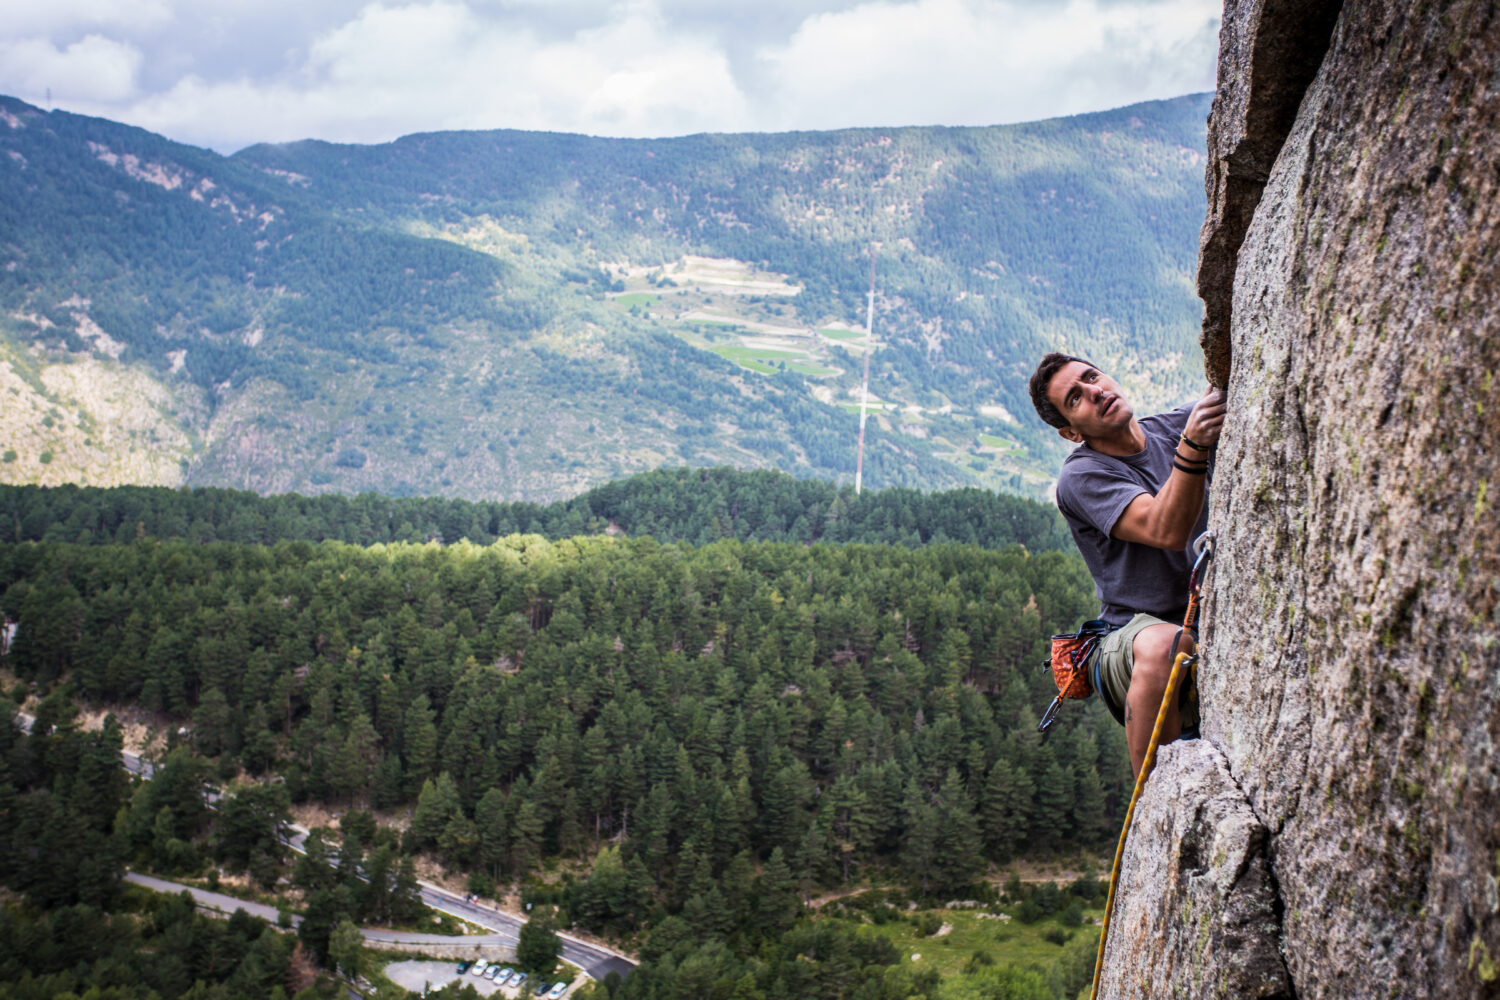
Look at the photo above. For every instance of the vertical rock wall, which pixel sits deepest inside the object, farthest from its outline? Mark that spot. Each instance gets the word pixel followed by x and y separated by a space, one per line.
pixel 1351 680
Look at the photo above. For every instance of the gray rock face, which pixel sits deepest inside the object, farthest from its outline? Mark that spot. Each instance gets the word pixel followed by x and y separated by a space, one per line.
pixel 1216 881
pixel 1268 53
pixel 1351 675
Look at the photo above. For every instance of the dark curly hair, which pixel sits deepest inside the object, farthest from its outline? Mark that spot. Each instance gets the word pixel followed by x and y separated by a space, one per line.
pixel 1042 377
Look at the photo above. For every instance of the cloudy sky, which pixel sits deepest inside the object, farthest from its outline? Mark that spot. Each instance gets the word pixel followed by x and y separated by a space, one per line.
pixel 227 73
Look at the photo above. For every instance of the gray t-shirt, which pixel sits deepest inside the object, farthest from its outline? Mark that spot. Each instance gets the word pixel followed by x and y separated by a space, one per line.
pixel 1094 489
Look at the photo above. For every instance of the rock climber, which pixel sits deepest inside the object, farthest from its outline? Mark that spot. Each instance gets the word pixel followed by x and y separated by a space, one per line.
pixel 1135 496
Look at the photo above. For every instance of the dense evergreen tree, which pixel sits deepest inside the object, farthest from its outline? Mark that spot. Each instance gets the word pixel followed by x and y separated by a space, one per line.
pixel 538 944
pixel 156 947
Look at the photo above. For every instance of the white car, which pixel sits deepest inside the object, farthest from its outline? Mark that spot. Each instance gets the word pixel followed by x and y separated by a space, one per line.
pixel 504 977
pixel 477 969
pixel 558 990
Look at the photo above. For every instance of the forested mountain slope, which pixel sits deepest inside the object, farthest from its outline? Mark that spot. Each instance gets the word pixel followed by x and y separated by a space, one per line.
pixel 521 315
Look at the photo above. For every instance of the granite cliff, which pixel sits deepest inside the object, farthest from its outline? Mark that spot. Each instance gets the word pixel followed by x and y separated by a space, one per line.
pixel 1336 833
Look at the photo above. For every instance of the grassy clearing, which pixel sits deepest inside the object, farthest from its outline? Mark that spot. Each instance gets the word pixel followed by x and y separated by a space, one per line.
pixel 833 333
pixel 1003 940
pixel 1002 444
pixel 812 371
pixel 645 299
pixel 734 353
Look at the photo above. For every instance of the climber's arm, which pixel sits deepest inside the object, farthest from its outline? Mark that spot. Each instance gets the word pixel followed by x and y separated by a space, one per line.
pixel 1166 520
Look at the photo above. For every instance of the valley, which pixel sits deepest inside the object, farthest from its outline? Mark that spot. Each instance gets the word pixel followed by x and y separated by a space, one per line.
pixel 521 316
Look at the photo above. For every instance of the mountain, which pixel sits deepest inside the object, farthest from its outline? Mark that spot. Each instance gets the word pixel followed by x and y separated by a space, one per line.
pixel 514 315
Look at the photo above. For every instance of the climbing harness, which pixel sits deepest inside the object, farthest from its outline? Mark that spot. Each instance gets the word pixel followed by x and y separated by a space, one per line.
pixel 1203 554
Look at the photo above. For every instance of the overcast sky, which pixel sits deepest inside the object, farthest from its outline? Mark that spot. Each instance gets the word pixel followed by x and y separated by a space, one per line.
pixel 228 73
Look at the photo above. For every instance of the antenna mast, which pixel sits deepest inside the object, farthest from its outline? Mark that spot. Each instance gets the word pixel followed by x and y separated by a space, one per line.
pixel 864 393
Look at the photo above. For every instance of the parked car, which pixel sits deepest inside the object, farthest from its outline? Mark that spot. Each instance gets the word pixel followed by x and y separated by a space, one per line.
pixel 519 980
pixel 504 976
pixel 463 967
pixel 558 989
pixel 491 971
pixel 479 967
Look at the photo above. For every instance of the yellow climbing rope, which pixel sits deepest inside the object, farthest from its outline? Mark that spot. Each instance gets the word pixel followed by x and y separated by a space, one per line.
pixel 1203 551
pixel 1173 682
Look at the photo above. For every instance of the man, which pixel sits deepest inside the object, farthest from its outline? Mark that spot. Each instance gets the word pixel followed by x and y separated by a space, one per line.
pixel 1134 494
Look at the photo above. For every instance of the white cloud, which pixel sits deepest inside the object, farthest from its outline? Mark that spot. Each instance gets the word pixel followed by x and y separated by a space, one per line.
pixel 386 46
pixel 92 69
pixel 975 62
pixel 24 19
pixel 420 67
pixel 636 76
pixel 230 72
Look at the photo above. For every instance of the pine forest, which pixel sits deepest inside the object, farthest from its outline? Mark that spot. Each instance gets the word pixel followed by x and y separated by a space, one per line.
pixel 673 730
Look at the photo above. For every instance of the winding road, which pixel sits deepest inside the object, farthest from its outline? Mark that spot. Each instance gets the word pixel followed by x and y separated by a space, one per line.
pixel 505 928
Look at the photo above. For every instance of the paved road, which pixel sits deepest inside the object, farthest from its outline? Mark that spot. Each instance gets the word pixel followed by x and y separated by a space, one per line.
pixel 221 903
pixel 210 900
pixel 597 961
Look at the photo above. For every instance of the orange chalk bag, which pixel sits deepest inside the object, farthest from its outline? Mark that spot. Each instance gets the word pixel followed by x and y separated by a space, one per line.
pixel 1069 663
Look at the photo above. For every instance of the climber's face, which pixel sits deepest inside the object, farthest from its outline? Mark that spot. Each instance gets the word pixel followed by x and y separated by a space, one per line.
pixel 1090 401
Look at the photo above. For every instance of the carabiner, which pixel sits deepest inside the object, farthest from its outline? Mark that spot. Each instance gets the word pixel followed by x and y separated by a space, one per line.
pixel 1203 554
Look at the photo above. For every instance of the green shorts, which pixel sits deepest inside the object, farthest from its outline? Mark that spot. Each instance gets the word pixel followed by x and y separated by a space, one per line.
pixel 1117 659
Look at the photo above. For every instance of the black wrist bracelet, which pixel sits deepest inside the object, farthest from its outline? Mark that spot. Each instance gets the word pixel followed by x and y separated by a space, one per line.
pixel 1201 471
pixel 1191 443
pixel 1176 457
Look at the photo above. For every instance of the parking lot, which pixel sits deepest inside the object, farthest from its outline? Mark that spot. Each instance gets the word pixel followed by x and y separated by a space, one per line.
pixel 419 975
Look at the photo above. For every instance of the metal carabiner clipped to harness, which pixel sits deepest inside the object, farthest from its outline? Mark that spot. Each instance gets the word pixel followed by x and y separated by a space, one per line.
pixel 1203 555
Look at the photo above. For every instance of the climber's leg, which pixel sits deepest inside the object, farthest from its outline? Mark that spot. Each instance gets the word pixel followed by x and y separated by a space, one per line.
pixel 1152 665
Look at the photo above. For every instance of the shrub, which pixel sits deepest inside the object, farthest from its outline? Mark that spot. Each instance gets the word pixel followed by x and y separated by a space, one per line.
pixel 1086 887
pixel 1048 898
pixel 928 924
pixel 350 458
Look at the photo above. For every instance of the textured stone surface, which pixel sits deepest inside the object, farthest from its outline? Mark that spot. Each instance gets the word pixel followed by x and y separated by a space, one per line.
pixel 1196 915
pixel 1352 635
pixel 1268 53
